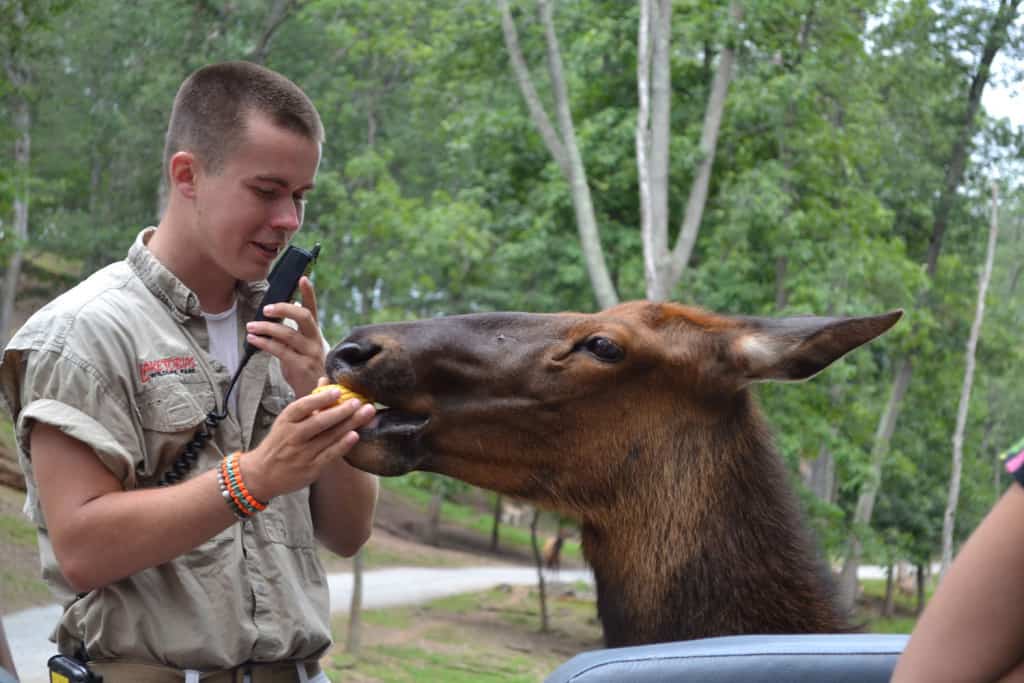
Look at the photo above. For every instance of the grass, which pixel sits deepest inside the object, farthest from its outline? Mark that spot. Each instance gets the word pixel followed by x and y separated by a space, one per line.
pixel 904 607
pixel 377 557
pixel 396 618
pixel 494 636
pixel 473 519
pixel 20 583
pixel 17 531
pixel 487 636
pixel 408 663
pixel 6 432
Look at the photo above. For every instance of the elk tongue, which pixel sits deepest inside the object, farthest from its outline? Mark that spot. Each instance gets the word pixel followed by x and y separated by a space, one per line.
pixel 394 423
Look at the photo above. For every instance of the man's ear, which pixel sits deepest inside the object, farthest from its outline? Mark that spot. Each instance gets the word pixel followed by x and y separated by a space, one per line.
pixel 182 170
pixel 791 349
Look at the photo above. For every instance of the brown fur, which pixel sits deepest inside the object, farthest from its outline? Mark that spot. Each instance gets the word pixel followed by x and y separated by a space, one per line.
pixel 687 517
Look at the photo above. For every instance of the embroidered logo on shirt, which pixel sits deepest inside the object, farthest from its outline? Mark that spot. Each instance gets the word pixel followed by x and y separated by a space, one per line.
pixel 177 365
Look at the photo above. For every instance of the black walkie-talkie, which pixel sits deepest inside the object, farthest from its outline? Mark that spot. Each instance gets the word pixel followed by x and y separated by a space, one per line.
pixel 284 278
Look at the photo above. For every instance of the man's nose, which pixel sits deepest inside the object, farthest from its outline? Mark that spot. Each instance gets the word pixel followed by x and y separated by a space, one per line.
pixel 288 215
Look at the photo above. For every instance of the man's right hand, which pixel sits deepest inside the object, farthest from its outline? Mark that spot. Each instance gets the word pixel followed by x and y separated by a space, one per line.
pixel 310 433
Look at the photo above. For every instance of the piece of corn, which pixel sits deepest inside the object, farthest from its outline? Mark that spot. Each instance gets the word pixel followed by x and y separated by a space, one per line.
pixel 346 393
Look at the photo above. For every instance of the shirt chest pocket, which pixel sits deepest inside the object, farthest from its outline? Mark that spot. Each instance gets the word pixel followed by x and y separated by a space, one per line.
pixel 170 414
pixel 271 404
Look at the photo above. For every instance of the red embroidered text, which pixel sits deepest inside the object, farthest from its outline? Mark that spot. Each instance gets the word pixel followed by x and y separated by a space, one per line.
pixel 178 365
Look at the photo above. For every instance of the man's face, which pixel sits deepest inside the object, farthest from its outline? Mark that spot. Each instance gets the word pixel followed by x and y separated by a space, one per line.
pixel 248 212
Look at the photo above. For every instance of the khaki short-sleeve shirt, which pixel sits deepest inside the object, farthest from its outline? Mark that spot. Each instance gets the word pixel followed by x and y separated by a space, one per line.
pixel 120 362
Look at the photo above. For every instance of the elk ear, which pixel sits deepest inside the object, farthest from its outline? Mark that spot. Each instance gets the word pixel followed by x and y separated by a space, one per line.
pixel 792 349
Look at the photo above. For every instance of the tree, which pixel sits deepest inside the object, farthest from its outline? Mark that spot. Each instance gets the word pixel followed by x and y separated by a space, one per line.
pixel 561 144
pixel 662 268
pixel 949 517
pixel 495 523
pixel 538 561
pixel 25 24
pixel 995 37
pixel 353 638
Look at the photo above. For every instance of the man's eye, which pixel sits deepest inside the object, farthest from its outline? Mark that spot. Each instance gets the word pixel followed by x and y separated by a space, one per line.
pixel 265 194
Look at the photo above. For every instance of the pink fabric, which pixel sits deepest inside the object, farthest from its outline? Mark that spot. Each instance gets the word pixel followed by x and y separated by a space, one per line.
pixel 1014 463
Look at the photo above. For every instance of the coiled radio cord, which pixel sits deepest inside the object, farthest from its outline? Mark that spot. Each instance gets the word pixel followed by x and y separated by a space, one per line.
pixel 188 459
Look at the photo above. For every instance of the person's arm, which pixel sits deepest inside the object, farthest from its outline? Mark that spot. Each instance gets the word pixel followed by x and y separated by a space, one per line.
pixel 6 659
pixel 343 499
pixel 973 627
pixel 101 533
pixel 342 503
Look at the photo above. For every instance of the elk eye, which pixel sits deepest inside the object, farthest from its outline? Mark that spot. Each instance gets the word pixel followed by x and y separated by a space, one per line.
pixel 604 349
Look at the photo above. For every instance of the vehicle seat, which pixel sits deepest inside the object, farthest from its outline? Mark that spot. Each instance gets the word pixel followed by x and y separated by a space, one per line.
pixel 836 658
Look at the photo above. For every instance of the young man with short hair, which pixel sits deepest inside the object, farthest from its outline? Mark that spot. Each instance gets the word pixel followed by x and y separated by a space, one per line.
pixel 217 575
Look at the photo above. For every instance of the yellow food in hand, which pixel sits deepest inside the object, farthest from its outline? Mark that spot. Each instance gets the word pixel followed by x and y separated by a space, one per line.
pixel 346 393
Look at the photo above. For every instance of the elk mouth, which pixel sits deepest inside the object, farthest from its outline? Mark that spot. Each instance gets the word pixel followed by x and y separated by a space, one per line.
pixel 389 445
pixel 394 424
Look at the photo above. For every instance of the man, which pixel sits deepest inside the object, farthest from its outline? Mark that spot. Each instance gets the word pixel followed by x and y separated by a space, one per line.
pixel 108 383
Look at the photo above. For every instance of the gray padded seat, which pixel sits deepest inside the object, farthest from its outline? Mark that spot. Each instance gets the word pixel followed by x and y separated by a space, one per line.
pixel 835 658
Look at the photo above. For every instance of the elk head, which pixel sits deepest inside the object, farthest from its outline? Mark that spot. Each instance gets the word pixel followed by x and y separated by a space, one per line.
pixel 559 408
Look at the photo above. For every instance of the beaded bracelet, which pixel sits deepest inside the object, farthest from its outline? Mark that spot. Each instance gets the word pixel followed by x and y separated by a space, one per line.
pixel 235 467
pixel 239 512
pixel 233 488
pixel 234 491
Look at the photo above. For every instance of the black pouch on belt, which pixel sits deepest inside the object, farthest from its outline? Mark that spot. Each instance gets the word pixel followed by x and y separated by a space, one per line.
pixel 64 669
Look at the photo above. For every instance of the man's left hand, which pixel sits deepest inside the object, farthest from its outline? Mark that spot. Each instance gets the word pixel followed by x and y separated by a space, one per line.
pixel 301 351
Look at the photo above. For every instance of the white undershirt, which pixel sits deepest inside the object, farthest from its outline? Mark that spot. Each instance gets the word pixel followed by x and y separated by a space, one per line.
pixel 222 329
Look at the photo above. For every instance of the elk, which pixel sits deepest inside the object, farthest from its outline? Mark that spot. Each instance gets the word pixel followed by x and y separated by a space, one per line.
pixel 639 421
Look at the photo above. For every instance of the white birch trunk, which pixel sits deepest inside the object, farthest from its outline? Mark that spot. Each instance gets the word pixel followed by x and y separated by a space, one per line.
pixel 697 199
pixel 949 518
pixel 653 80
pixel 643 142
pixel 562 144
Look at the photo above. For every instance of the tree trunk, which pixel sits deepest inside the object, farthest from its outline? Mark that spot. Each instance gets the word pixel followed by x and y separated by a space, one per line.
pixel 562 144
pixel 433 534
pixel 697 199
pixel 994 41
pixel 539 562
pixel 822 477
pixel 890 591
pixel 277 14
pixel 355 610
pixel 654 86
pixel 662 269
pixel 949 518
pixel 922 580
pixel 847 589
pixel 496 523
pixel 22 159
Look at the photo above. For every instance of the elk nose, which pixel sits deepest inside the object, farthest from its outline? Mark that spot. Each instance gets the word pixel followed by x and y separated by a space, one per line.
pixel 350 355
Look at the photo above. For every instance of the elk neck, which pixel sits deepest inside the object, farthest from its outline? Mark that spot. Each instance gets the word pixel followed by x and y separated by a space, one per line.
pixel 707 539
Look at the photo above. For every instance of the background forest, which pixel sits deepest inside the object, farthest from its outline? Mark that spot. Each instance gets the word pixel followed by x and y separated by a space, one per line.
pixel 764 157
